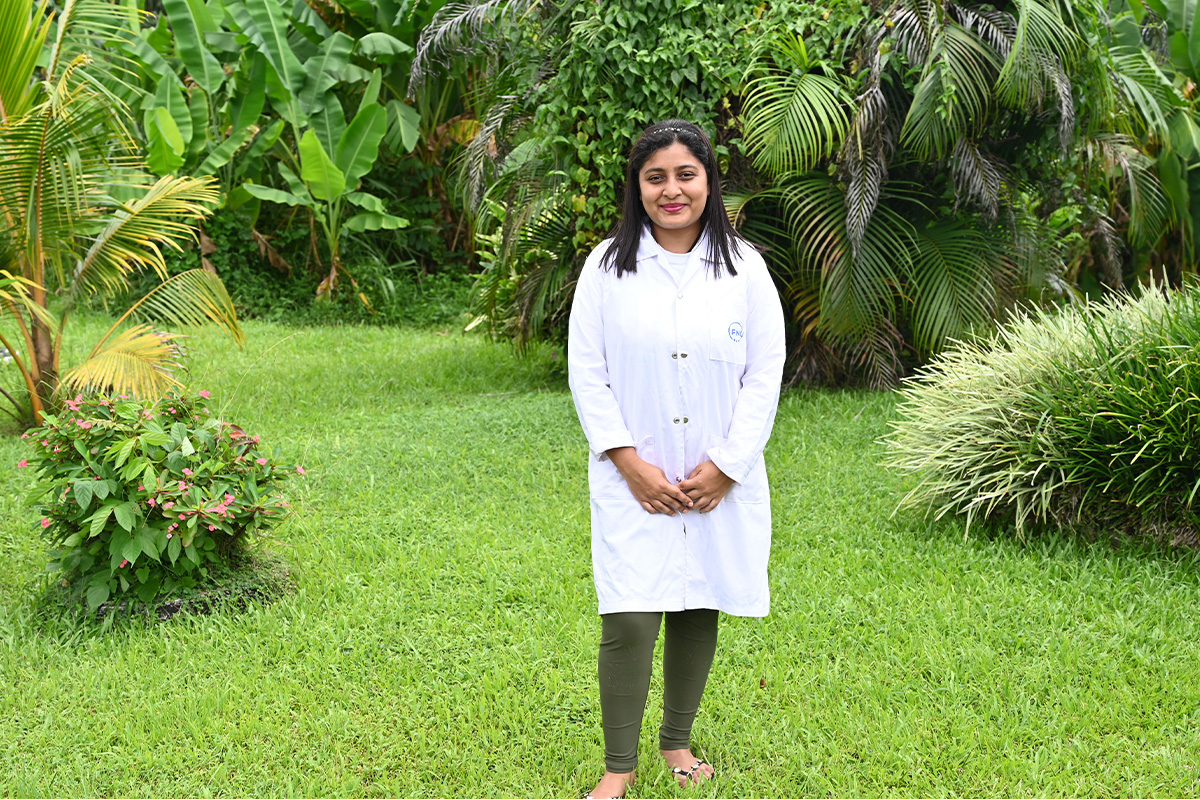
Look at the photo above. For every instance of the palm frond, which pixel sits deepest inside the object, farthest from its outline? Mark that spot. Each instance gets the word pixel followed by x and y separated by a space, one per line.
pixel 953 283
pixel 978 178
pixel 460 28
pixel 1043 48
pixel 794 118
pixel 134 232
pixel 954 96
pixel 23 29
pixel 138 361
pixel 191 299
pixel 1147 91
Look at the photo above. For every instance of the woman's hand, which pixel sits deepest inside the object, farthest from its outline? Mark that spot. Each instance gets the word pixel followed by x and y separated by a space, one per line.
pixel 706 486
pixel 648 483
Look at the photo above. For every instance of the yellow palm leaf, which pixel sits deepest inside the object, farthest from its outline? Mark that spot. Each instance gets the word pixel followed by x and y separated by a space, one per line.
pixel 138 361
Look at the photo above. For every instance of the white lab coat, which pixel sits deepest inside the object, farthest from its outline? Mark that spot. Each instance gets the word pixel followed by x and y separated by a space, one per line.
pixel 685 371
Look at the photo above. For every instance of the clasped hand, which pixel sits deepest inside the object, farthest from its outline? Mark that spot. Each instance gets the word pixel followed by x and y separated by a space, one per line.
pixel 702 491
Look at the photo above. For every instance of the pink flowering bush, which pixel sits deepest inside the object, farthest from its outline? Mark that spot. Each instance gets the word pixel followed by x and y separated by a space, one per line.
pixel 142 498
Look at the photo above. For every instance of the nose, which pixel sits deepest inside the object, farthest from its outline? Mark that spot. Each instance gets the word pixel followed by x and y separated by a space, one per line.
pixel 670 188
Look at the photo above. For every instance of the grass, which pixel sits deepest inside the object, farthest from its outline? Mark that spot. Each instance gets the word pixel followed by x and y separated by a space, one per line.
pixel 442 637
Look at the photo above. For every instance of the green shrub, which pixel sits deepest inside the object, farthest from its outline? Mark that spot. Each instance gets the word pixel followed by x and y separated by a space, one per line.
pixel 142 498
pixel 1087 417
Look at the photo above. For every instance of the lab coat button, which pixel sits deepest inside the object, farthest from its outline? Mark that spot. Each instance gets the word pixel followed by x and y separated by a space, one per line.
pixel 685 420
pixel 676 420
pixel 680 295
pixel 683 355
pixel 676 355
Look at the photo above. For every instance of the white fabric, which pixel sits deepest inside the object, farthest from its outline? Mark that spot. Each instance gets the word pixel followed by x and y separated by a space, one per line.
pixel 684 370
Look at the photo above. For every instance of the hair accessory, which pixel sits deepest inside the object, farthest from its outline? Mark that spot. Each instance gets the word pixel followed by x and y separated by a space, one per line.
pixel 677 129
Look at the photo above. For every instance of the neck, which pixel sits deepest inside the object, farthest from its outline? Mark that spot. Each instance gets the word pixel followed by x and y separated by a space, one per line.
pixel 680 240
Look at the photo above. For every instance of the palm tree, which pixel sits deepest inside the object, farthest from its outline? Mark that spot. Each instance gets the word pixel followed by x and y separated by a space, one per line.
pixel 79 214
pixel 875 262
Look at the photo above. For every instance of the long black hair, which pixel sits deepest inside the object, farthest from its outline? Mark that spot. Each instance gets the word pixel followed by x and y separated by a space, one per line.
pixel 723 240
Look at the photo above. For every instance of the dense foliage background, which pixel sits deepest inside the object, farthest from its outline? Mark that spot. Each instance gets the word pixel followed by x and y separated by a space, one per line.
pixel 915 169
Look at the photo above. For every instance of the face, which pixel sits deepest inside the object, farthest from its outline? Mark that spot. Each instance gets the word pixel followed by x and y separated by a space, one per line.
pixel 674 187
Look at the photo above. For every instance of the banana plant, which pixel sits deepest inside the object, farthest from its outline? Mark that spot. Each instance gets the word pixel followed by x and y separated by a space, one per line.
pixel 328 186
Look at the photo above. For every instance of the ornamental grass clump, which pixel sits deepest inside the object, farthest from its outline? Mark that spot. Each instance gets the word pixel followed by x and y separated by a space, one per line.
pixel 141 499
pixel 1086 417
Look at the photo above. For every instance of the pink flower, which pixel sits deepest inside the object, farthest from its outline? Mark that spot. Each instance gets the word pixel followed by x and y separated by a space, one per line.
pixel 45 442
pixel 169 534
pixel 25 435
pixel 187 472
pixel 141 488
pixel 205 393
pixel 212 527
pixel 229 499
pixel 122 397
pixel 183 516
pixel 255 439
pixel 45 522
pixel 169 504
pixel 183 487
pixel 22 464
pixel 171 409
pixel 301 470
pixel 97 477
pixel 151 502
pixel 262 462
pixel 123 563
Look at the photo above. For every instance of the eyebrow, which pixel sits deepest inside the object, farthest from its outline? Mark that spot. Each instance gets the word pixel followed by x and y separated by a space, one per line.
pixel 663 169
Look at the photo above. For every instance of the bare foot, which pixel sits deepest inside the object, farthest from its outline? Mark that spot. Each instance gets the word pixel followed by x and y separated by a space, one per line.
pixel 613 784
pixel 684 760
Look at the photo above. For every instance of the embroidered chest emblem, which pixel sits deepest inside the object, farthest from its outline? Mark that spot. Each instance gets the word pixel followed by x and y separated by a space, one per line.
pixel 735 331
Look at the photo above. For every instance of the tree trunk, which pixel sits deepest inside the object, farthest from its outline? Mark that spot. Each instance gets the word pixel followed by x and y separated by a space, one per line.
pixel 45 368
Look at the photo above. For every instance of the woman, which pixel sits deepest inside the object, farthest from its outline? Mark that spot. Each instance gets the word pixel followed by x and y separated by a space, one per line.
pixel 675 357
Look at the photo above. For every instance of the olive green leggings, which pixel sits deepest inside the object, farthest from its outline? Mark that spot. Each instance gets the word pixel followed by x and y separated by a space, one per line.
pixel 626 660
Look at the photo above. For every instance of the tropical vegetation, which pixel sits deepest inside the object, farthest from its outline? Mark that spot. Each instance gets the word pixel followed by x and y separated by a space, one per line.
pixel 142 498
pixel 1083 419
pixel 79 215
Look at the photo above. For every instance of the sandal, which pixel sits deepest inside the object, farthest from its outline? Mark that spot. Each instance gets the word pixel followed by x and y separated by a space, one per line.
pixel 686 774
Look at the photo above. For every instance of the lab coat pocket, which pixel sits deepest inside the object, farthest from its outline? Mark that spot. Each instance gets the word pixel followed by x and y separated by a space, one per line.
pixel 727 327
pixel 605 480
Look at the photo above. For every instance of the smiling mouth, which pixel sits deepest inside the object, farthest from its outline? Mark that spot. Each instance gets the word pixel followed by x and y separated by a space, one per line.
pixel 672 208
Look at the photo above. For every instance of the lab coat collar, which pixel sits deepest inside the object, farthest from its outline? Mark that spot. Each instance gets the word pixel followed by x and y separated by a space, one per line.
pixel 650 248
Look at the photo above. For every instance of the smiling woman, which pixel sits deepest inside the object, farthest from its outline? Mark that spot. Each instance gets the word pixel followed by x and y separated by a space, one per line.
pixel 675 356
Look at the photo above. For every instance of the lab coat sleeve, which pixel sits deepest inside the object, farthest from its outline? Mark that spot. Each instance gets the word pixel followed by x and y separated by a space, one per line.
pixel 587 366
pixel 758 399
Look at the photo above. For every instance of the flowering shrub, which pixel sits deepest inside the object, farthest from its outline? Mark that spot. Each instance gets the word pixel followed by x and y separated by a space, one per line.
pixel 142 497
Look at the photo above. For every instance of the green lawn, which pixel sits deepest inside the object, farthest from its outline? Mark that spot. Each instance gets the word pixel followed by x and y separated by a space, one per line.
pixel 442 638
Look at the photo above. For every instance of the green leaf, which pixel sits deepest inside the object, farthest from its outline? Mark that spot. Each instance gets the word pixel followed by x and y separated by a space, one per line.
pixel 97 596
pixel 358 147
pixel 404 126
pixel 149 588
pixel 247 104
pixel 321 70
pixel 371 93
pixel 325 180
pixel 102 488
pixel 165 144
pixel 131 549
pixel 269 31
pixel 172 98
pixel 225 151
pixel 83 494
pixel 186 447
pixel 382 47
pixel 99 520
pixel 367 201
pixel 147 540
pixel 372 221
pixel 173 548
pixel 202 65
pixel 330 122
pixel 193 554
pixel 125 516
pixel 276 196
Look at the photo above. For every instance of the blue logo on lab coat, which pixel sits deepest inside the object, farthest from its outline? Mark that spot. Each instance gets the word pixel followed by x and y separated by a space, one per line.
pixel 735 331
